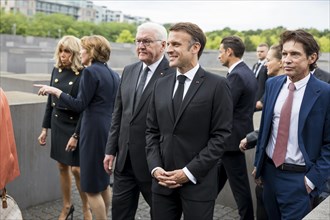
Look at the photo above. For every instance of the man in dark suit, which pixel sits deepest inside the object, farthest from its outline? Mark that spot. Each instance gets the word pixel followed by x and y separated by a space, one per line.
pixel 243 86
pixel 297 172
pixel 260 71
pixel 321 75
pixel 187 124
pixel 126 140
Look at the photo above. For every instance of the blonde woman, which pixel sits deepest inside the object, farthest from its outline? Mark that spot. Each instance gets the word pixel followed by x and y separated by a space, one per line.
pixel 64 123
pixel 96 98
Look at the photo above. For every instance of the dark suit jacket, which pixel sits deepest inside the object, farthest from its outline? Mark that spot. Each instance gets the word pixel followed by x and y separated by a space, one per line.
pixel 251 139
pixel 261 79
pixel 196 138
pixel 243 86
pixel 96 98
pixel 127 133
pixel 313 131
pixel 322 75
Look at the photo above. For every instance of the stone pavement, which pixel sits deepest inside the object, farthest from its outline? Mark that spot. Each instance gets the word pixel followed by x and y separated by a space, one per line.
pixel 51 210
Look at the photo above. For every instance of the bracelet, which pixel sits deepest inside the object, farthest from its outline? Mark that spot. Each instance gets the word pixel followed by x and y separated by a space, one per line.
pixel 75 136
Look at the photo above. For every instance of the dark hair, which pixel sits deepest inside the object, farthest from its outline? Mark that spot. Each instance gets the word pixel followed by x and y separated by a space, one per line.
pixel 194 31
pixel 306 39
pixel 235 43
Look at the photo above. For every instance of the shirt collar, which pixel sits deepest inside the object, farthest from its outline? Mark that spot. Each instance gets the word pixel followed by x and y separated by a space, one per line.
pixel 191 73
pixel 301 83
pixel 234 65
pixel 153 66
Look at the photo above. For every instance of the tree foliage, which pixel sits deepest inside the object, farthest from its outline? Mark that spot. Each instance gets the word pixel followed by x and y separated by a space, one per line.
pixel 125 37
pixel 57 25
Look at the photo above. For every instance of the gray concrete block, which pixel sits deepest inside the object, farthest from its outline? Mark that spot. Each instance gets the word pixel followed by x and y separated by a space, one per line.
pixel 39 179
pixel 22 82
pixel 321 212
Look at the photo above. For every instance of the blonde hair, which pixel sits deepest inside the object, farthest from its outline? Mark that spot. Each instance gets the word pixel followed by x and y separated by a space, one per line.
pixel 72 44
pixel 97 47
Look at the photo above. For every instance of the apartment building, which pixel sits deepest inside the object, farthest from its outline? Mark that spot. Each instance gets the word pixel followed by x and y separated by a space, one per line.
pixel 82 10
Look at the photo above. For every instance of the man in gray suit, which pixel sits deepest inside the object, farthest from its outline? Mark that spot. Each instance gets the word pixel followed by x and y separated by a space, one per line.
pixel 126 139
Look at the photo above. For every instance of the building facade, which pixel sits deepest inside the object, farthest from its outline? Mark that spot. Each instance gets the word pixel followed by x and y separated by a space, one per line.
pixel 82 10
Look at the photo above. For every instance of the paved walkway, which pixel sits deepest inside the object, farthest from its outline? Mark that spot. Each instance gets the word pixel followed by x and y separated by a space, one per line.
pixel 51 210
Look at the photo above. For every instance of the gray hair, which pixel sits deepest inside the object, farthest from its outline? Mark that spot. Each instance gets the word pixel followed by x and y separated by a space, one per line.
pixel 160 31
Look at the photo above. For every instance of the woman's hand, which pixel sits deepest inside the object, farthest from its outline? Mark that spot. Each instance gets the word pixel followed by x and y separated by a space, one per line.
pixel 45 90
pixel 108 163
pixel 42 137
pixel 72 144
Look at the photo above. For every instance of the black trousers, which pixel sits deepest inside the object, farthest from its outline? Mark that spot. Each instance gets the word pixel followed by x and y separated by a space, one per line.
pixel 232 166
pixel 172 206
pixel 126 192
pixel 261 211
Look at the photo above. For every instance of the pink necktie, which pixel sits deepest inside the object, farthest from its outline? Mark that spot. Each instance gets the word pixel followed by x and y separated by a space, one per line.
pixel 283 129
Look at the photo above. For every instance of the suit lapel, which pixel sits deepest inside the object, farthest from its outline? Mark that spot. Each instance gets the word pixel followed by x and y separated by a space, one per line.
pixel 272 94
pixel 312 93
pixel 134 80
pixel 168 94
pixel 275 92
pixel 194 86
pixel 159 72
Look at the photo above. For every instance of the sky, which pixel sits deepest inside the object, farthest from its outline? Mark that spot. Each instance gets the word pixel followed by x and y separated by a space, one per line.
pixel 237 15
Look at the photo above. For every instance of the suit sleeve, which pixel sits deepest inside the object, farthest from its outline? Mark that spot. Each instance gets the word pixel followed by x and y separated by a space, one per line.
pixel 252 138
pixel 320 172
pixel 153 136
pixel 220 130
pixel 87 90
pixel 48 111
pixel 113 137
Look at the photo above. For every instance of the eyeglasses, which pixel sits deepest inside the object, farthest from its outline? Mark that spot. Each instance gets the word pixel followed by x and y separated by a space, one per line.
pixel 145 43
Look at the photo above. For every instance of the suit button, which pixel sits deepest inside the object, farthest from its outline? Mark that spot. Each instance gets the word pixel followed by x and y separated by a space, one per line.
pixel 71 118
pixel 56 115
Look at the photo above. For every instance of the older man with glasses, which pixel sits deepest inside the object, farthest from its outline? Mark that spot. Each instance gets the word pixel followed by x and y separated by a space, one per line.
pixel 126 141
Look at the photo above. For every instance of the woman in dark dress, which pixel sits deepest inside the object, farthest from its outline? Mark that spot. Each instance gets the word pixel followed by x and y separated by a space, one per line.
pixel 96 97
pixel 64 123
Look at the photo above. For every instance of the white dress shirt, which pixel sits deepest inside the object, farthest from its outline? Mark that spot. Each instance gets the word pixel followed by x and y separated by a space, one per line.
pixel 152 69
pixel 293 154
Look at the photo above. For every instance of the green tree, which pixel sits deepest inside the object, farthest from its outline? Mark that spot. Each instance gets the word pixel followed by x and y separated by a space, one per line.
pixel 249 46
pixel 125 37
pixel 57 25
pixel 10 23
pixel 324 43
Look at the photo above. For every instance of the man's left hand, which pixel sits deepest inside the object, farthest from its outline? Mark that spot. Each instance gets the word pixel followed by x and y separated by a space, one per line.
pixel 173 179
